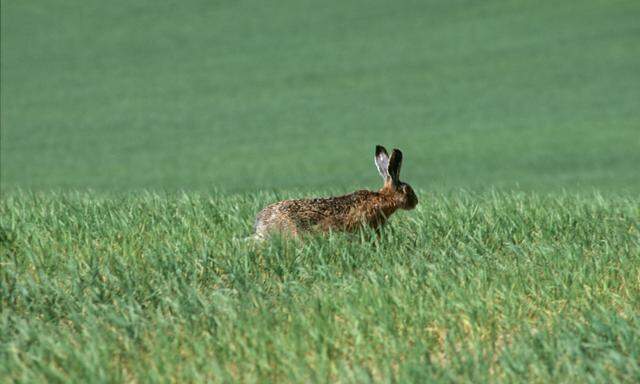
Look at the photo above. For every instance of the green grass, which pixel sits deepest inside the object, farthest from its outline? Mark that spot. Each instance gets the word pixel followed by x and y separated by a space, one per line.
pixel 252 95
pixel 147 287
pixel 109 108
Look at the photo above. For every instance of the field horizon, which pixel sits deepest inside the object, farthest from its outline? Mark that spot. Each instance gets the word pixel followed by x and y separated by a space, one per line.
pixel 243 96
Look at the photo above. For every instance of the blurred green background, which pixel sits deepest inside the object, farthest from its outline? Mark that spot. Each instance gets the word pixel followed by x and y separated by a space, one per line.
pixel 248 95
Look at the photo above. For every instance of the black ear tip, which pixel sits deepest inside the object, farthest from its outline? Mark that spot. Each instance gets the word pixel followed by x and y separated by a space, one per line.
pixel 380 149
pixel 397 152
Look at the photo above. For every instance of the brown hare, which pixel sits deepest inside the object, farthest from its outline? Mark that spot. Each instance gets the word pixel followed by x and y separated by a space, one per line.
pixel 342 213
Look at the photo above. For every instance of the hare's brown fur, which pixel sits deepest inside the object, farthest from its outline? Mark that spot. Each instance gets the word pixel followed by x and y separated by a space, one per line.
pixel 341 213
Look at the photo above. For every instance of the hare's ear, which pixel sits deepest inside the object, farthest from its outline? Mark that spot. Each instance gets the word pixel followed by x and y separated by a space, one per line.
pixel 382 162
pixel 395 163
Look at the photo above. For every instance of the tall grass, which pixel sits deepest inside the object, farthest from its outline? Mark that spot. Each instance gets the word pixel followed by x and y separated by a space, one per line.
pixel 152 287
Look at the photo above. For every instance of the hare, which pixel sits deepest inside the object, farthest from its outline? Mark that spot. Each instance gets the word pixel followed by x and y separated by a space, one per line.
pixel 342 213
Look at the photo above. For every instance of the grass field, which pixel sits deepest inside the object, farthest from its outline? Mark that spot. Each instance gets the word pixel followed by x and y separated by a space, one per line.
pixel 139 139
pixel 147 287
pixel 252 95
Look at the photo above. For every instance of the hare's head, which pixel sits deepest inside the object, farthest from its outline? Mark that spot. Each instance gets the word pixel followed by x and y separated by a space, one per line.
pixel 389 168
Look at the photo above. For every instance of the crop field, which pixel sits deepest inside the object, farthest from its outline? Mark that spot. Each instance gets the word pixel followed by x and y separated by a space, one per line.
pixel 258 95
pixel 139 139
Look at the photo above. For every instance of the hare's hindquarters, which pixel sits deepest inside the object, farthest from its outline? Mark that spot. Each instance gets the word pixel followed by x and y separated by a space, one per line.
pixel 273 219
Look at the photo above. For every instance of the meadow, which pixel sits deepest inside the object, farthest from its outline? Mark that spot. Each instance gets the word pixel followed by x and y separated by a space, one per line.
pixel 501 287
pixel 139 139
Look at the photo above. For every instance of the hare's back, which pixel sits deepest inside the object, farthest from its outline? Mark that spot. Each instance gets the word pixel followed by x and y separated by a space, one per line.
pixel 306 214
